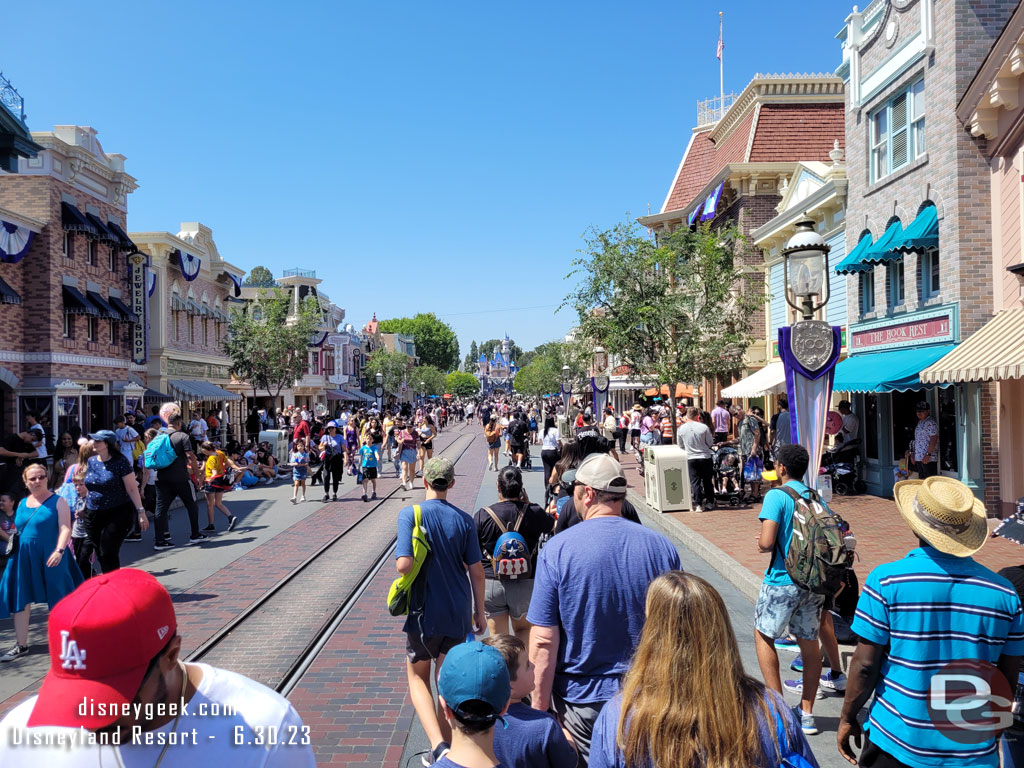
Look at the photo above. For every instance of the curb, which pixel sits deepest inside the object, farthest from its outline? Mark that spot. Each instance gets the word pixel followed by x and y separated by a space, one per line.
pixel 731 570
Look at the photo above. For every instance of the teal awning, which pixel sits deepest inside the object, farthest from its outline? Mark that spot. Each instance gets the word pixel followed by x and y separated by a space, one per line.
pixel 883 249
pixel 894 371
pixel 854 259
pixel 922 233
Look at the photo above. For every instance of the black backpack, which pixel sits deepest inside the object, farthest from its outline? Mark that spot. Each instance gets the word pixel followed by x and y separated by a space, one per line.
pixel 517 430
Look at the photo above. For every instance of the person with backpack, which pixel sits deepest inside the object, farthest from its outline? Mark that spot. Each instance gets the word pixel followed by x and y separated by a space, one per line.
pixel 809 557
pixel 518 433
pixel 509 533
pixel 444 605
pixel 170 453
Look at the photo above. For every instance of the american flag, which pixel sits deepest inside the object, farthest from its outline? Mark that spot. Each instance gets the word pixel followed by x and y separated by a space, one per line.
pixel 721 47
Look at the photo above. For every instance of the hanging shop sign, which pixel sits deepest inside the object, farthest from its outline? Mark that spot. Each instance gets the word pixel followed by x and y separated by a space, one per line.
pixel 921 328
pixel 140 305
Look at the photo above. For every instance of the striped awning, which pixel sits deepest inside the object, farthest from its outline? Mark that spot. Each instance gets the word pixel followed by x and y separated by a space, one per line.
pixel 196 391
pixel 995 352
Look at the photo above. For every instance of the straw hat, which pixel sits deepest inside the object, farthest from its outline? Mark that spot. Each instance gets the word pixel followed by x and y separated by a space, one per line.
pixel 943 512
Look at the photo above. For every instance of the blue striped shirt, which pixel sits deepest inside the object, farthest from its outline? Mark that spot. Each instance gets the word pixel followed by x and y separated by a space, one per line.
pixel 931 608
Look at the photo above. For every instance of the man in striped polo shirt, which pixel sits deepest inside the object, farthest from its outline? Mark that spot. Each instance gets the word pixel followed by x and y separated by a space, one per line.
pixel 935 627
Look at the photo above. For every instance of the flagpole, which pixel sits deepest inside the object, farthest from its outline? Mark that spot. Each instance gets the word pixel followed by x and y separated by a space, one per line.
pixel 721 68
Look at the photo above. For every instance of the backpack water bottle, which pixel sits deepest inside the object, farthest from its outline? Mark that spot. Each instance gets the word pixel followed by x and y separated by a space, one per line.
pixel 511 556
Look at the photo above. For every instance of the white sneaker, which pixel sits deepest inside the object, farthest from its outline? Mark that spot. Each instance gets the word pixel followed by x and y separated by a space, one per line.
pixel 698 508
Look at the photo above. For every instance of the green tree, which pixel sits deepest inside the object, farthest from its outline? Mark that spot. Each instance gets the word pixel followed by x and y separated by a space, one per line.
pixel 267 348
pixel 435 380
pixel 462 384
pixel 260 277
pixel 675 311
pixel 393 365
pixel 469 364
pixel 436 343
pixel 542 375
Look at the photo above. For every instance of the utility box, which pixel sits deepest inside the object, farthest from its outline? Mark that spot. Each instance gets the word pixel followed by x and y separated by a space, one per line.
pixel 667 478
pixel 278 439
pixel 563 427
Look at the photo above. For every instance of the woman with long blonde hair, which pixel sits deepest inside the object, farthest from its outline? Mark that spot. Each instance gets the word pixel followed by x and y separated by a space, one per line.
pixel 686 700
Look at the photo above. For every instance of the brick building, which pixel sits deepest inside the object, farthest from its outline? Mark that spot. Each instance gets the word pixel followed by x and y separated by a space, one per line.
pixel 919 210
pixel 740 162
pixel 72 342
pixel 190 287
pixel 992 110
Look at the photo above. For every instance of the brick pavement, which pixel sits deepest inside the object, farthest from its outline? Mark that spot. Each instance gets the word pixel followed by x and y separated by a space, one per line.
pixel 882 536
pixel 213 602
pixel 355 696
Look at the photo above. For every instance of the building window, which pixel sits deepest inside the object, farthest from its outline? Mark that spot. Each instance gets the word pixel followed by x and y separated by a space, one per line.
pixel 69 245
pixel 206 332
pixel 113 332
pixel 929 274
pixel 112 259
pixel 897 131
pixel 191 329
pixel 174 325
pixel 90 329
pixel 69 326
pixel 94 252
pixel 866 288
pixel 315 363
pixel 897 288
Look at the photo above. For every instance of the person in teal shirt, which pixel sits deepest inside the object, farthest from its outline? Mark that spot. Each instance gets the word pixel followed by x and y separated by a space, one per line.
pixel 369 458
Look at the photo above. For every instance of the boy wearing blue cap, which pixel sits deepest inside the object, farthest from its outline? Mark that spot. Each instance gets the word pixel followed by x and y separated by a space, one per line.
pixel 474 689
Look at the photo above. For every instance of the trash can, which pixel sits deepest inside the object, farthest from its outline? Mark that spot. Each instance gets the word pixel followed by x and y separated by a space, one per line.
pixel 667 478
pixel 278 439
pixel 563 427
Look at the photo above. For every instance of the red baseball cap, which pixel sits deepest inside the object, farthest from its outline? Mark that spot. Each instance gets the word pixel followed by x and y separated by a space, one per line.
pixel 102 638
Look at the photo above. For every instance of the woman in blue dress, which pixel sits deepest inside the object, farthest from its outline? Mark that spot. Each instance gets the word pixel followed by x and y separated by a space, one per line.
pixel 40 570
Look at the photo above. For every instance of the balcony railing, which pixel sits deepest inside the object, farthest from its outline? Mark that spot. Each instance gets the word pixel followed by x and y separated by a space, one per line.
pixel 11 99
pixel 711 110
pixel 295 272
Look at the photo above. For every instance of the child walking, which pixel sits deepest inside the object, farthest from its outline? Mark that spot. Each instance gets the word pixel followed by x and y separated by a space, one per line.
pixel 369 456
pixel 300 469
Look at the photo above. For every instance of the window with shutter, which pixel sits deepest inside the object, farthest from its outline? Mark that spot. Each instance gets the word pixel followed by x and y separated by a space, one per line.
pixel 897 132
pixel 900 144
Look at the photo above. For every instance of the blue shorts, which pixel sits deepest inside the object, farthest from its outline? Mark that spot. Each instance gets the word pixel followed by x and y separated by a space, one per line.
pixel 408 455
pixel 782 606
pixel 300 473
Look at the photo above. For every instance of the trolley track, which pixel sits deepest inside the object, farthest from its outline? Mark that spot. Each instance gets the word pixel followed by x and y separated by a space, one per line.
pixel 303 610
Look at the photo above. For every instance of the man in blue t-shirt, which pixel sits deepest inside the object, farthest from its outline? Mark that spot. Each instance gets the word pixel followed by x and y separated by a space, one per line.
pixel 588 600
pixel 781 604
pixel 940 636
pixel 445 608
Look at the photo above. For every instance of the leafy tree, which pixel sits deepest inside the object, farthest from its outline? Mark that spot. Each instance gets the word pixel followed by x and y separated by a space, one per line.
pixel 260 277
pixel 393 365
pixel 469 364
pixel 676 311
pixel 462 384
pixel 435 380
pixel 436 343
pixel 542 375
pixel 267 348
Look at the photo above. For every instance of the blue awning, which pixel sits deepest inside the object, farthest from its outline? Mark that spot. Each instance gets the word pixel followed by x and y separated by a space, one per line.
pixel 76 304
pixel 196 391
pixel 7 294
pixel 922 233
pixel 854 261
pixel 894 371
pixel 74 220
pixel 101 304
pixel 883 249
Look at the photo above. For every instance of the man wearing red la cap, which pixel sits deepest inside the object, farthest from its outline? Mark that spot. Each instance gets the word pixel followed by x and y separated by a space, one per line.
pixel 116 672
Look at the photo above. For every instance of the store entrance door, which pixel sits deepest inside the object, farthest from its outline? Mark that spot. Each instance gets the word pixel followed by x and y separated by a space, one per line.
pixel 904 421
pixel 949 442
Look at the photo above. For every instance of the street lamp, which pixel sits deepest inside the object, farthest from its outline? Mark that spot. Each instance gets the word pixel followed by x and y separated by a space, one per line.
pixel 805 268
pixel 566 388
pixel 379 391
pixel 600 360
pixel 423 391
pixel 599 382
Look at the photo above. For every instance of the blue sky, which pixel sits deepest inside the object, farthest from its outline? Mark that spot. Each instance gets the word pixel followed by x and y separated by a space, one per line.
pixel 420 156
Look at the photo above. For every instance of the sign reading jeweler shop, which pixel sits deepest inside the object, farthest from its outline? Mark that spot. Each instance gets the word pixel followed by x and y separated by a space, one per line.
pixel 140 351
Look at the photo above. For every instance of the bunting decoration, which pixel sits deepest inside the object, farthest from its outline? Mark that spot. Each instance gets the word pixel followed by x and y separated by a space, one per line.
pixel 238 284
pixel 711 204
pixel 809 350
pixel 190 265
pixel 314 342
pixel 599 386
pixel 692 218
pixel 14 242
pixel 150 283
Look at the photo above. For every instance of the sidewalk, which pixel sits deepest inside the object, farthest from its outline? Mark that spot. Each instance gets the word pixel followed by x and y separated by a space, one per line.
pixel 725 537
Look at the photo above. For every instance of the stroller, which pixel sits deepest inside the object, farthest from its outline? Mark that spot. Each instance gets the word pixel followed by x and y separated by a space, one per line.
pixel 842 463
pixel 728 474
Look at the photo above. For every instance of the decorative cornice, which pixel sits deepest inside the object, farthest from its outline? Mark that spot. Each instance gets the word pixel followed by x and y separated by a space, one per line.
pixel 65 358
pixel 74 153
pixel 995 86
pixel 787 88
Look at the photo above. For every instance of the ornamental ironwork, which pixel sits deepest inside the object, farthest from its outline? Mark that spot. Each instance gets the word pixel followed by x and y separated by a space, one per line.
pixel 11 99
pixel 812 344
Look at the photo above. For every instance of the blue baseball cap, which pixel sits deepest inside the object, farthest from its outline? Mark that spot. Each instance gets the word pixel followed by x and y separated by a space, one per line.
pixel 104 435
pixel 474 672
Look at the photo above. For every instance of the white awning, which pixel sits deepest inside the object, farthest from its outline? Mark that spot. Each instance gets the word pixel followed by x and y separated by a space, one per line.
pixel 994 352
pixel 770 380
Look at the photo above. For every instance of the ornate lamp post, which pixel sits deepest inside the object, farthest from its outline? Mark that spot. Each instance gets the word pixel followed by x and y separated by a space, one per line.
pixel 379 391
pixel 809 348
pixel 599 382
pixel 423 392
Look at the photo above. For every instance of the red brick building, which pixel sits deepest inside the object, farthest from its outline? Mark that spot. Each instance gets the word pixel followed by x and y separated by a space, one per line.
pixel 71 317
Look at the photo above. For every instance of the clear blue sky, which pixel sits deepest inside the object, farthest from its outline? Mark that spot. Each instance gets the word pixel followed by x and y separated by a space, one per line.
pixel 420 156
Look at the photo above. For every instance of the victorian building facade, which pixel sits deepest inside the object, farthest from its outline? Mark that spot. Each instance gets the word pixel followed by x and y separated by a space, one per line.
pixel 190 288
pixel 73 315
pixel 919 225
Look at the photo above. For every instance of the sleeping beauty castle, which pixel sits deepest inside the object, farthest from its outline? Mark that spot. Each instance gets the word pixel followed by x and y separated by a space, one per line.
pixel 498 373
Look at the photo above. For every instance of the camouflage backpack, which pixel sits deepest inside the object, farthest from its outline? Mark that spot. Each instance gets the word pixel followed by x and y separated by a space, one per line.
pixel 817 555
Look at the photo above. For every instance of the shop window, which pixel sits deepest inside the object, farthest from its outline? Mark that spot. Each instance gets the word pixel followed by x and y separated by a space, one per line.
pixel 90 329
pixel 897 131
pixel 43 406
pixel 870 426
pixel 896 286
pixel 191 329
pixel 206 332
pixel 69 245
pixel 94 253
pixel 113 332
pixel 69 326
pixel 174 325
pixel 929 280
pixel 949 448
pixel 866 290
